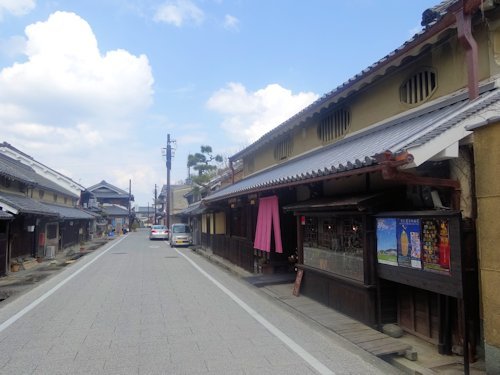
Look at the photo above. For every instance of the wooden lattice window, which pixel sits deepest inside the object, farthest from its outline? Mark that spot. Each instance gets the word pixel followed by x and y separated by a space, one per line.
pixel 418 87
pixel 283 149
pixel 335 125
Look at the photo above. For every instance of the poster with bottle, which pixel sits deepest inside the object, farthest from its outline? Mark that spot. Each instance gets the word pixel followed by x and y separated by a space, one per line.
pixel 386 241
pixel 436 245
pixel 416 248
pixel 405 230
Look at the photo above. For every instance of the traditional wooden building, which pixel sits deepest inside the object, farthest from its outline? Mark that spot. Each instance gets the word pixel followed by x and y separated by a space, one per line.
pixel 374 188
pixel 5 219
pixel 175 204
pixel 113 203
pixel 43 217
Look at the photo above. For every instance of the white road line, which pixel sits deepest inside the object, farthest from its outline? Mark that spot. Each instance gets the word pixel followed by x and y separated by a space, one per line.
pixel 47 294
pixel 306 356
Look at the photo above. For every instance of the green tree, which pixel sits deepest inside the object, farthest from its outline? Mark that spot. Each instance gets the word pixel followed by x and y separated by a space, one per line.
pixel 203 163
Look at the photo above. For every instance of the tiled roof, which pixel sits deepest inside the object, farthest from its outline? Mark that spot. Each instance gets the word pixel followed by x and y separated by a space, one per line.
pixel 5 215
pixel 29 161
pixel 109 191
pixel 25 205
pixel 16 170
pixel 347 87
pixel 360 149
pixel 193 209
pixel 66 212
pixel 115 210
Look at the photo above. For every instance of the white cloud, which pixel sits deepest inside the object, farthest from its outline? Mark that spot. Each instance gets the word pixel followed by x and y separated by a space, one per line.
pixel 72 106
pixel 66 74
pixel 249 115
pixel 179 12
pixel 231 22
pixel 16 7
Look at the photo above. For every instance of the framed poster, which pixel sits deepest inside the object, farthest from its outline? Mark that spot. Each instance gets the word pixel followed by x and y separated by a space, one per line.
pixel 408 238
pixel 436 245
pixel 428 250
pixel 387 246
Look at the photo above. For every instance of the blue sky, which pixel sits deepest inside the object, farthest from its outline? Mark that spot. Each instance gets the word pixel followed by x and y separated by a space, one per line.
pixel 92 88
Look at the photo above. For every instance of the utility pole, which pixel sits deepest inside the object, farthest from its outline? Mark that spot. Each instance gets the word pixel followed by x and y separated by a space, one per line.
pixel 129 204
pixel 154 203
pixel 169 166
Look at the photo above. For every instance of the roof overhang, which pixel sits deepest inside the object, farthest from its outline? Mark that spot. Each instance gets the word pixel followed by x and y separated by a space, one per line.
pixel 72 213
pixel 352 202
pixel 5 215
pixel 7 207
pixel 443 147
pixel 433 132
pixel 433 33
pixel 17 204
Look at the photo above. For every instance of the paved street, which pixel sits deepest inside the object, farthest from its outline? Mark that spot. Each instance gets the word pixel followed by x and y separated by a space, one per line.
pixel 140 307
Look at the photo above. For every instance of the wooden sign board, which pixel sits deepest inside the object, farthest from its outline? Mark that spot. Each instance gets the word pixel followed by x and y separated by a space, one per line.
pixel 298 281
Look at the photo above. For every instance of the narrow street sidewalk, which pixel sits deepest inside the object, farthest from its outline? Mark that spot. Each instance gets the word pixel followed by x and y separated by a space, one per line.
pixel 428 360
pixel 32 271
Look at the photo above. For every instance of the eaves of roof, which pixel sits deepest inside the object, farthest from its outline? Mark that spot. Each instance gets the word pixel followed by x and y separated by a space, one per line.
pixel 445 19
pixel 66 212
pixel 115 211
pixel 16 170
pixel 18 204
pixel 360 150
pixel 26 161
pixel 196 208
pixel 5 215
pixel 358 202
pixel 111 195
pixel 108 186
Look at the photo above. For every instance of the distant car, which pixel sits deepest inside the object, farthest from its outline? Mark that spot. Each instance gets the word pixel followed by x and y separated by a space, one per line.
pixel 180 234
pixel 158 231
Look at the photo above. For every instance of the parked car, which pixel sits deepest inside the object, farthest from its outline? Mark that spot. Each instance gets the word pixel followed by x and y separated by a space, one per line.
pixel 158 231
pixel 180 235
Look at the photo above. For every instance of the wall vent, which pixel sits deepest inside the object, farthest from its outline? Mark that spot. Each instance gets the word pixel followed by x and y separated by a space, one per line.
pixel 283 149
pixel 335 125
pixel 418 87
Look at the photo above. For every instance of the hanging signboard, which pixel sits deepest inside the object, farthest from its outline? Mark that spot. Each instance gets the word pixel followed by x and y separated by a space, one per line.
pixel 421 249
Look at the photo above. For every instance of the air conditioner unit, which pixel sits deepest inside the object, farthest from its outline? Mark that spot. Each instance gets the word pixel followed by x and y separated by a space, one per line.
pixel 50 252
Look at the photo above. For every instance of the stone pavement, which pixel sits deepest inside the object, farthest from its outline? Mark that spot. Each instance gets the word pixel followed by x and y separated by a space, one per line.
pixel 428 362
pixel 32 272
pixel 140 307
